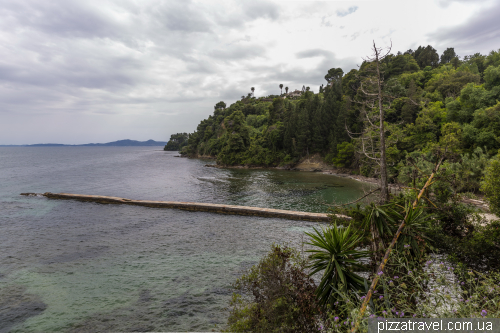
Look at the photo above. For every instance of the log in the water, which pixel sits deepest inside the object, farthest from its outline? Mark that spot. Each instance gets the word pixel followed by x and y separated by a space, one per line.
pixel 196 206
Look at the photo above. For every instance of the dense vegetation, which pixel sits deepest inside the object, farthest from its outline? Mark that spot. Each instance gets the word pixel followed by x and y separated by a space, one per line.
pixel 433 100
pixel 445 263
pixel 441 258
pixel 177 142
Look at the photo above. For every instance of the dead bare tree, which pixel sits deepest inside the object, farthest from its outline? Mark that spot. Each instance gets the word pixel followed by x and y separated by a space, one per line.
pixel 372 138
pixel 374 103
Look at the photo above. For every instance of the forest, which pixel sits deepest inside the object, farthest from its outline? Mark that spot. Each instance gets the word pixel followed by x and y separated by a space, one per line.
pixel 429 100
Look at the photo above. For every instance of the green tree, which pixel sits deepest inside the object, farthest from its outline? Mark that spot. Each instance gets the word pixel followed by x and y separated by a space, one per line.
pixel 476 59
pixel 493 59
pixel 492 77
pixel 334 76
pixel 427 56
pixel 345 154
pixel 396 65
pixel 281 88
pixel 491 184
pixel 177 142
pixel 236 139
pixel 303 131
pixel 450 83
pixel 451 136
pixel 448 55
pixel 220 106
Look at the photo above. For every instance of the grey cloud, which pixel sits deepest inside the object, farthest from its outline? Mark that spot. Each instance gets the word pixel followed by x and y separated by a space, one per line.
pixel 261 9
pixel 181 16
pixel 57 18
pixel 243 12
pixel 204 66
pixel 314 53
pixel 345 12
pixel 475 35
pixel 238 52
pixel 64 61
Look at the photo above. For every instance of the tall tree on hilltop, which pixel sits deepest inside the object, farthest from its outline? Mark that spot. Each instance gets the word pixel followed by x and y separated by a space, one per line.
pixel 286 90
pixel 219 108
pixel 253 90
pixel 426 56
pixel 334 76
pixel 281 87
pixel 448 55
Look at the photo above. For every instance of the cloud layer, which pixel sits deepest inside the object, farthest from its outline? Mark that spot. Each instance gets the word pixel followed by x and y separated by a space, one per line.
pixel 98 71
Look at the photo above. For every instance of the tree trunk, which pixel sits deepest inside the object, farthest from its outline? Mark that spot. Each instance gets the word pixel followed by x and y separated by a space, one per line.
pixel 377 246
pixel 384 188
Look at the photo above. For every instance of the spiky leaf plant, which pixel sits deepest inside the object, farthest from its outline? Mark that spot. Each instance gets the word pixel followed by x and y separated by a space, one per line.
pixel 335 253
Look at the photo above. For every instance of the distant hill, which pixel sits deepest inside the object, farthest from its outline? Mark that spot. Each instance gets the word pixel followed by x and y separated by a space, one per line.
pixel 128 143
pixel 119 143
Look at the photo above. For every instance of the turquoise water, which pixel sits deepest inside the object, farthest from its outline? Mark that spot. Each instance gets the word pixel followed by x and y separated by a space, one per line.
pixel 68 266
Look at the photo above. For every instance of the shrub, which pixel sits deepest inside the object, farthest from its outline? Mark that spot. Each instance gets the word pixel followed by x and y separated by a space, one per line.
pixel 276 295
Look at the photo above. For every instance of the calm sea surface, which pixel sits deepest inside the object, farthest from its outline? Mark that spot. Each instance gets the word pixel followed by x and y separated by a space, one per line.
pixel 68 266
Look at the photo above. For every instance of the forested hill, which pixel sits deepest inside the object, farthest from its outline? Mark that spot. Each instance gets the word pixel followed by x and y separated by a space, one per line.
pixel 429 101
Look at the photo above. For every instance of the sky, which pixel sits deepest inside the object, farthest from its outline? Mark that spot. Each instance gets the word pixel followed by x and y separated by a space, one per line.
pixel 78 72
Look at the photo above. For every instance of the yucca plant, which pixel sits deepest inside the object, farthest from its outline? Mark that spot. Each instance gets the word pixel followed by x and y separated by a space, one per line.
pixel 414 231
pixel 336 254
pixel 387 218
pixel 382 219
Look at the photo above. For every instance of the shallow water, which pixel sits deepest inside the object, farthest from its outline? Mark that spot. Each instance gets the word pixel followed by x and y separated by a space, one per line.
pixel 68 266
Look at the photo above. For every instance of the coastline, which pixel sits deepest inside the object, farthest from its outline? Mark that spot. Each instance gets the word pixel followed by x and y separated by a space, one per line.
pixel 338 173
pixel 315 163
pixel 329 171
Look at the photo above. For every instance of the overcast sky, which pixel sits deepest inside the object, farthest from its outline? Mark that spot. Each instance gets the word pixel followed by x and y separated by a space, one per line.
pixel 98 71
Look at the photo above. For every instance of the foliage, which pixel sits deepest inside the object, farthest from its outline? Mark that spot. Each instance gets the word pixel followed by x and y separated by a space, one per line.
pixel 336 255
pixel 491 184
pixel 426 56
pixel 177 142
pixel 276 295
pixel 387 219
pixel 345 154
pixel 448 55
pixel 421 289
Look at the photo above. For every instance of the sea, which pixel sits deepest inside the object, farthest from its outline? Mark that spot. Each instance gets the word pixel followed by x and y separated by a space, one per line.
pixel 69 266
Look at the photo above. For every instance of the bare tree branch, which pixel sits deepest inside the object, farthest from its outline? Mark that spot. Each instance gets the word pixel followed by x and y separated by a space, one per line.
pixel 359 199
